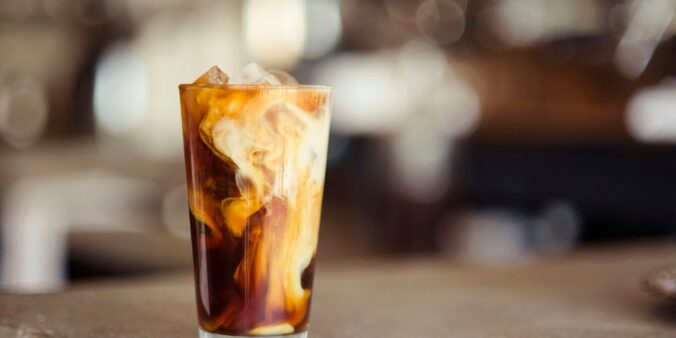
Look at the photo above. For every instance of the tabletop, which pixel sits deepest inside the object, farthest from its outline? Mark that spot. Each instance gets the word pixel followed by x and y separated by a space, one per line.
pixel 591 293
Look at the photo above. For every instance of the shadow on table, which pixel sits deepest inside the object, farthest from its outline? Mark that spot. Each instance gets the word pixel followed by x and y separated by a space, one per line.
pixel 665 311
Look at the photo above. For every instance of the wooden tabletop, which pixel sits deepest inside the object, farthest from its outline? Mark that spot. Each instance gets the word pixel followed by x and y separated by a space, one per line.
pixel 592 293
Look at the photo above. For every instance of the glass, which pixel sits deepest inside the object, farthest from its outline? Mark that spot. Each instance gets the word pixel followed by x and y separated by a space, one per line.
pixel 255 158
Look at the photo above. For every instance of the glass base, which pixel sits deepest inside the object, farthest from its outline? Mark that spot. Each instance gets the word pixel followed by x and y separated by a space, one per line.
pixel 205 334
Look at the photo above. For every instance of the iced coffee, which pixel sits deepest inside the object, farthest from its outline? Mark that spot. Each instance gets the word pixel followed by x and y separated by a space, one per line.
pixel 255 157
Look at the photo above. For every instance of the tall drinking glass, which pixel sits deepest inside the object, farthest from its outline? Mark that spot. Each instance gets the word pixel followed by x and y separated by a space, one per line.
pixel 255 157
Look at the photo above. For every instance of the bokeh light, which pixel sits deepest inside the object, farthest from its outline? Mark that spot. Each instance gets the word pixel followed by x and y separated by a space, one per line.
pixel 422 63
pixel 455 108
pixel 169 52
pixel 518 22
pixel 441 21
pixel 651 113
pixel 275 31
pixel 120 91
pixel 365 92
pixel 371 90
pixel 647 25
pixel 23 111
pixel 421 159
pixel 324 28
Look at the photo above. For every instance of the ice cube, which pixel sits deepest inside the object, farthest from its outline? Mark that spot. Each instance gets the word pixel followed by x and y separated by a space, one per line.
pixel 213 76
pixel 255 74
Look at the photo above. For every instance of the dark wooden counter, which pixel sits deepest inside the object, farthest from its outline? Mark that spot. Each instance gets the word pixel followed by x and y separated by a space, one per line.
pixel 593 293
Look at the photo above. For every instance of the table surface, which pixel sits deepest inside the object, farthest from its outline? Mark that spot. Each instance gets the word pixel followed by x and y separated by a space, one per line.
pixel 592 293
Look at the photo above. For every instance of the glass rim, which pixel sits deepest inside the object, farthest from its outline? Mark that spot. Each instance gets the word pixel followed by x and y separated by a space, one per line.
pixel 254 86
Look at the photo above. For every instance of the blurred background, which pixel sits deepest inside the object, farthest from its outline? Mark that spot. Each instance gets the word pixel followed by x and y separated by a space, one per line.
pixel 491 132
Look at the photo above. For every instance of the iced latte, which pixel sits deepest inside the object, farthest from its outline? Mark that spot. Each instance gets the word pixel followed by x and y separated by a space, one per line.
pixel 255 157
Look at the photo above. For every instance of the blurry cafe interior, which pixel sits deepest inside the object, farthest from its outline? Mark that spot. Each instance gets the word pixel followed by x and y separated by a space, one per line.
pixel 477 134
